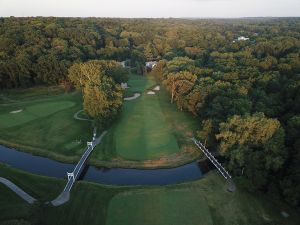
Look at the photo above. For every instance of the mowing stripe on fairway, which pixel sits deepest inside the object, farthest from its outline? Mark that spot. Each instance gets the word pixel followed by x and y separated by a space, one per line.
pixel 32 112
pixel 143 132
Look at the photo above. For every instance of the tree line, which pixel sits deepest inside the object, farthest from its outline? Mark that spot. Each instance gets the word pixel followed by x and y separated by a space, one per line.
pixel 245 92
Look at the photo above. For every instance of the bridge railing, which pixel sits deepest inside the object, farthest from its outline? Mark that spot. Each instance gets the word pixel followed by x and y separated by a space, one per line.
pixel 218 165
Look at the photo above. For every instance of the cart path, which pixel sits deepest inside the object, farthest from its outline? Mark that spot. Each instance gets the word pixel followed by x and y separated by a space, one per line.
pixel 79 118
pixel 65 194
pixel 28 198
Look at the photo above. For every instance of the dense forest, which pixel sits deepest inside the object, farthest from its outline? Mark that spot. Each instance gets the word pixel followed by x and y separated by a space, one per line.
pixel 241 78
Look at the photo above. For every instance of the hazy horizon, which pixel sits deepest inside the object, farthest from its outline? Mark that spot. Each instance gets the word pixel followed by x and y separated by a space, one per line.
pixel 151 9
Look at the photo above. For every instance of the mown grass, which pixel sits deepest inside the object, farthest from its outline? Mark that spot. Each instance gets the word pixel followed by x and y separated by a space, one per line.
pixel 42 188
pixel 46 126
pixel 138 84
pixel 160 207
pixel 142 133
pixel 201 202
pixel 150 128
pixel 88 204
pixel 31 112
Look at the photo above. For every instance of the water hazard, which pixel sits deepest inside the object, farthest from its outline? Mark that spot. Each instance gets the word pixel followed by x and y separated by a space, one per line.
pixel 113 176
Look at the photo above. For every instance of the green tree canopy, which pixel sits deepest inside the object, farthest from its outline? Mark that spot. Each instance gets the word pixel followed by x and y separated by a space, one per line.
pixel 254 145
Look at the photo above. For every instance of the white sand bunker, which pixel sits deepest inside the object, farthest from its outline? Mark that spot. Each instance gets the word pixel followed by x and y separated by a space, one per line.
pixel 151 93
pixel 157 88
pixel 17 111
pixel 136 95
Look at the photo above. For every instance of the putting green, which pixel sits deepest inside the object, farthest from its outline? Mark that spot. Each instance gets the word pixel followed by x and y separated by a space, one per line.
pixel 143 132
pixel 159 207
pixel 32 112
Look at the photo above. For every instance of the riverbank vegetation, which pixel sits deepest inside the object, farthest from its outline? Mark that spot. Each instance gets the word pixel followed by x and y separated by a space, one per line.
pixel 238 77
pixel 205 201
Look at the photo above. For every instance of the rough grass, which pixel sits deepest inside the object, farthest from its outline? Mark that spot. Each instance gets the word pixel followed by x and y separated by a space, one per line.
pixel 201 202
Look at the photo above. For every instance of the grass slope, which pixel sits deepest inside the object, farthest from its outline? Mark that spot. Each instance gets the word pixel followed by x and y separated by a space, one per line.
pixel 159 207
pixel 201 202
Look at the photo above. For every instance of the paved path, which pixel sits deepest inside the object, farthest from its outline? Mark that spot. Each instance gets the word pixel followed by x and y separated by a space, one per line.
pixel 79 118
pixel 65 195
pixel 17 190
pixel 135 96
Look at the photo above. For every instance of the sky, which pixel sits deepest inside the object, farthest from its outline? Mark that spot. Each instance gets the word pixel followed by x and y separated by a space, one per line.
pixel 151 8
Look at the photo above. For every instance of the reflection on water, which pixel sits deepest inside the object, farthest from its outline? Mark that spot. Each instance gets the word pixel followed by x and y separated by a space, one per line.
pixel 117 176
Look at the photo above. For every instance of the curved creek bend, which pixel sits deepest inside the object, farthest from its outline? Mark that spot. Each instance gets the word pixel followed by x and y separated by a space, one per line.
pixel 111 176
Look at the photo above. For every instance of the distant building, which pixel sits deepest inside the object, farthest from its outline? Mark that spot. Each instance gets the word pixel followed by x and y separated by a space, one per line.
pixel 150 65
pixel 124 85
pixel 242 38
pixel 123 63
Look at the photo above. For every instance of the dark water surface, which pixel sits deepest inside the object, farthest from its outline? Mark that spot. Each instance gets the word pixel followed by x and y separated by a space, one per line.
pixel 115 176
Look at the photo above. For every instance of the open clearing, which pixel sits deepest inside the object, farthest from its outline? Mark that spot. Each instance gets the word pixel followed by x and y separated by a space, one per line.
pixel 202 202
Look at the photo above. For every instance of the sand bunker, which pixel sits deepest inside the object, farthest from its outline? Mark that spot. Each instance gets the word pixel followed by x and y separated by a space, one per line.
pixel 17 111
pixel 157 88
pixel 151 93
pixel 136 95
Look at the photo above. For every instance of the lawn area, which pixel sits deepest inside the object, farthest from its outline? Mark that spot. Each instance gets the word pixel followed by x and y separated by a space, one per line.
pixel 142 132
pixel 159 207
pixel 150 133
pixel 202 202
pixel 150 128
pixel 44 124
pixel 31 112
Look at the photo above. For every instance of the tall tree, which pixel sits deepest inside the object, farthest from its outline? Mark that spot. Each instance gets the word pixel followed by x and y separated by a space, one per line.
pixel 254 145
pixel 179 84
